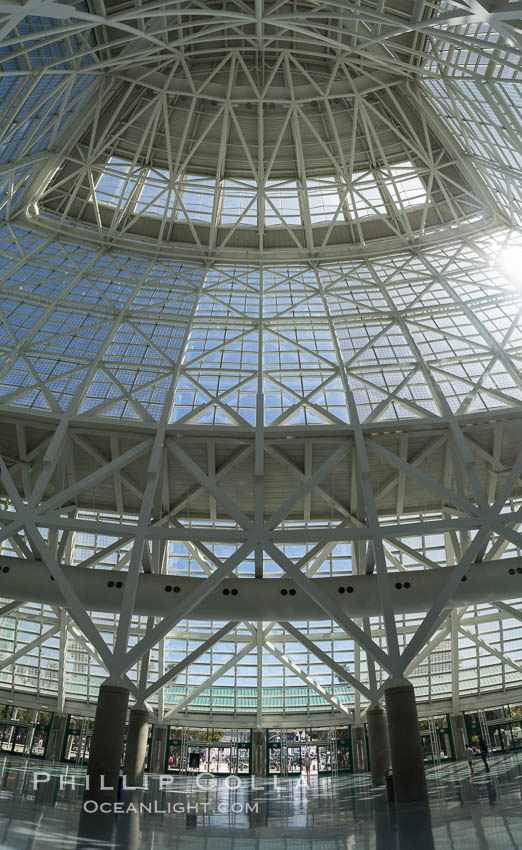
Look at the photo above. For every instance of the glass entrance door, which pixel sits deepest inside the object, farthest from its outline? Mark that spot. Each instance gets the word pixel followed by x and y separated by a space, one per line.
pixel 243 760
pixel 14 739
pixel 294 760
pixel 344 755
pixel 274 759
pixel 320 759
pixel 311 753
pixel 319 752
pixel 78 740
pixel 439 737
pixel 28 740
pixel 7 734
pixel 201 750
pixel 174 756
pixel 505 737
pixel 76 748
pixel 516 734
pixel 198 760
pixel 21 738
pixel 41 733
pixel 324 760
pixel 219 758
pixel 426 746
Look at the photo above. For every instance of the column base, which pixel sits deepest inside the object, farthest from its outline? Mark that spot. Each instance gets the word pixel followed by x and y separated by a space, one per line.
pixel 359 749
pixel 54 747
pixel 378 744
pixel 136 748
pixel 259 753
pixel 103 769
pixel 158 749
pixel 458 731
pixel 409 777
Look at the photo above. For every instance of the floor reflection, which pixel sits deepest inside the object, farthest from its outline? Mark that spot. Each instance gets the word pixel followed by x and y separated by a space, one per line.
pixel 331 813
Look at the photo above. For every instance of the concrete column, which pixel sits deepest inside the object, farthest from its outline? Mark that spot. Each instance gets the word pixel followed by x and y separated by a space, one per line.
pixel 103 769
pixel 95 829
pixel 358 749
pixel 378 744
pixel 127 831
pixel 458 730
pixel 136 747
pixel 54 747
pixel 409 778
pixel 47 793
pixel 383 817
pixel 259 752
pixel 414 827
pixel 158 749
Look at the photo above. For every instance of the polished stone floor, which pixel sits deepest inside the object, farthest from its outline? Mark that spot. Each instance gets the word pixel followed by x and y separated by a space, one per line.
pixel 480 813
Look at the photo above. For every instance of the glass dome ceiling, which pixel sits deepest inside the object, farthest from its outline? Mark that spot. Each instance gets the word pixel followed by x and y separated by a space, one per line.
pixel 255 141
pixel 259 268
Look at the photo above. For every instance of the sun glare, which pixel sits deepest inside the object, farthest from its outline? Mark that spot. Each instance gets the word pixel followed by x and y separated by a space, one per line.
pixel 509 261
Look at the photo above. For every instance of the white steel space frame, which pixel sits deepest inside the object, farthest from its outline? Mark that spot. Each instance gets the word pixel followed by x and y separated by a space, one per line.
pixel 475 501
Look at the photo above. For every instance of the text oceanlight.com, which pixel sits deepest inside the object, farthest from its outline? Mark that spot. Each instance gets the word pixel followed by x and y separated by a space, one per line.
pixel 155 808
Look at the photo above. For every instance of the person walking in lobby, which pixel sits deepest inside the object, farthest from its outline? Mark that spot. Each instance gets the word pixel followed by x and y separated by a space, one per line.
pixel 468 755
pixel 484 753
pixel 505 740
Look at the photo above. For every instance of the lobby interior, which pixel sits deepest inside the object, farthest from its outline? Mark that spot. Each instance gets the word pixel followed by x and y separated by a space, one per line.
pixel 260 424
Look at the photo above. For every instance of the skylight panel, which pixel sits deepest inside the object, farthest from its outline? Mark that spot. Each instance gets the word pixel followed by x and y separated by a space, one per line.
pixel 116 183
pixel 238 202
pixel 156 197
pixel 197 198
pixel 193 198
pixel 366 196
pixel 405 187
pixel 324 201
pixel 282 204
